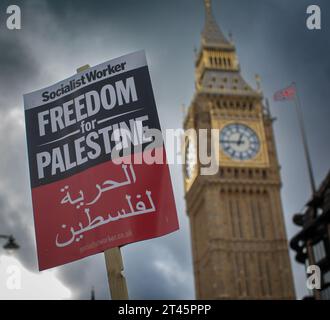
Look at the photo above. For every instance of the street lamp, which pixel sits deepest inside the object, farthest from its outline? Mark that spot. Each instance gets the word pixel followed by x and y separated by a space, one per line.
pixel 11 244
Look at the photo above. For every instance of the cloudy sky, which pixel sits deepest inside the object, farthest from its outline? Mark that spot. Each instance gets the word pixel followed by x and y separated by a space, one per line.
pixel 58 36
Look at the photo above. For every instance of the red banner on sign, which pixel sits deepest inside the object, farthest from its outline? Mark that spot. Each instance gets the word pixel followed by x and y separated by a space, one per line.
pixel 106 206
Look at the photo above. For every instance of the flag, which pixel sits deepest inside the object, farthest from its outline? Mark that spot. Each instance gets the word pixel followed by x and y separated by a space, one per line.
pixel 286 94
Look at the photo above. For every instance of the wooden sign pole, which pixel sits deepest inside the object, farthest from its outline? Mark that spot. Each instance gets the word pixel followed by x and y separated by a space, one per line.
pixel 115 267
pixel 113 260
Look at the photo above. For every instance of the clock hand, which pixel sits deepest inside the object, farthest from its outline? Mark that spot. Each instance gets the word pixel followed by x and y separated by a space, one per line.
pixel 240 141
pixel 229 141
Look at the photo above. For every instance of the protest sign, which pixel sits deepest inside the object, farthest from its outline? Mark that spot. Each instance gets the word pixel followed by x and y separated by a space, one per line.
pixel 94 186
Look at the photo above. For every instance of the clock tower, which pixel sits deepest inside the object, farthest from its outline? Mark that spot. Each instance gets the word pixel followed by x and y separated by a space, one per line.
pixel 239 243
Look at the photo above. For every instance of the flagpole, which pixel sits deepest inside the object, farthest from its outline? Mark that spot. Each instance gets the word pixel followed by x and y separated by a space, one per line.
pixel 304 139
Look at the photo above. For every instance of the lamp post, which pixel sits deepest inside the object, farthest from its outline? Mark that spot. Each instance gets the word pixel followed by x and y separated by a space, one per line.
pixel 11 244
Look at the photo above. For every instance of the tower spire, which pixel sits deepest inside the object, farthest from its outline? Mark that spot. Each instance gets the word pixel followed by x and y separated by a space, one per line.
pixel 212 35
pixel 208 5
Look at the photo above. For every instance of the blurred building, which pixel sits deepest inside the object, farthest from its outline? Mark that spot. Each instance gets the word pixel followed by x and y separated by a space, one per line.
pixel 312 244
pixel 239 244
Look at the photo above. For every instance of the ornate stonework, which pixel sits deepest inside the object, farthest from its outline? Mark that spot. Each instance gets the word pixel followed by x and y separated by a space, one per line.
pixel 239 242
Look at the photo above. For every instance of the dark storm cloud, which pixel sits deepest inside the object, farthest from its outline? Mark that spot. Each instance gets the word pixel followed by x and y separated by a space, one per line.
pixel 15 59
pixel 16 64
pixel 58 36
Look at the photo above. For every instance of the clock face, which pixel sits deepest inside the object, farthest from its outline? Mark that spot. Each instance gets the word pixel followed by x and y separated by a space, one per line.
pixel 239 142
pixel 190 159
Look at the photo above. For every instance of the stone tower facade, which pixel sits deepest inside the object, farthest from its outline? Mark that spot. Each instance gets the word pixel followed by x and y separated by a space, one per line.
pixel 239 243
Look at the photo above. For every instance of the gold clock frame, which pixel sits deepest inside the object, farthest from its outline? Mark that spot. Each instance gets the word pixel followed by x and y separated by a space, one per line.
pixel 261 160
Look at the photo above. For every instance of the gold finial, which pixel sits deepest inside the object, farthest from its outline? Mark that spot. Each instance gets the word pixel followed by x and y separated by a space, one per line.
pixel 258 81
pixel 208 5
